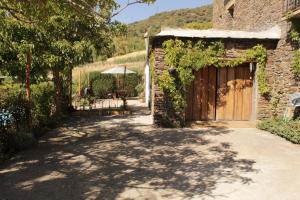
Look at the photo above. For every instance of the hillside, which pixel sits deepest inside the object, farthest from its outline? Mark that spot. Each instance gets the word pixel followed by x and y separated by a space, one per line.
pixel 134 61
pixel 177 18
pixel 197 18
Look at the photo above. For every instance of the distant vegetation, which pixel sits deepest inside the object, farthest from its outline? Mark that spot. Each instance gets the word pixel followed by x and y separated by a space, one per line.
pixel 173 19
pixel 196 18
pixel 200 26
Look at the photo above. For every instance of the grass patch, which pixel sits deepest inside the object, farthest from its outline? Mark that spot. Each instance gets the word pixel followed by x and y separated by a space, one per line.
pixel 288 129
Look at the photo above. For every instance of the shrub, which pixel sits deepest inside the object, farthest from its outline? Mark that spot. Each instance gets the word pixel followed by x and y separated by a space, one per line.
pixel 102 85
pixel 132 81
pixel 6 120
pixel 288 129
pixel 13 100
pixel 42 103
pixel 140 89
pixel 13 120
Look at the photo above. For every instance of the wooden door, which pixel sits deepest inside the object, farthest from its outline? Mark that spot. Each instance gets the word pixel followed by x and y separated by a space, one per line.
pixel 201 98
pixel 234 95
pixel 220 94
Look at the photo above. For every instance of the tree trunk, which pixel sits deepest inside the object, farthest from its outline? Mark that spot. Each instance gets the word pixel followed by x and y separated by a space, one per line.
pixel 28 90
pixel 70 80
pixel 58 91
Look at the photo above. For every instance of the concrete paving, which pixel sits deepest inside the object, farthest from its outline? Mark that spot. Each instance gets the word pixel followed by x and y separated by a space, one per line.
pixel 126 158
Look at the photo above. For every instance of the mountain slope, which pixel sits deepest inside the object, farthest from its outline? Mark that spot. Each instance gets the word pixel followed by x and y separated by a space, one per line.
pixel 196 18
pixel 174 19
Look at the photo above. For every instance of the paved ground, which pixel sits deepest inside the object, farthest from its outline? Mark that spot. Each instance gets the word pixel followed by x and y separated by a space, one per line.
pixel 125 158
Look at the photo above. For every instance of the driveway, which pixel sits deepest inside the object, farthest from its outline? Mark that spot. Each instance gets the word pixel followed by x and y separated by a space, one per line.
pixel 126 158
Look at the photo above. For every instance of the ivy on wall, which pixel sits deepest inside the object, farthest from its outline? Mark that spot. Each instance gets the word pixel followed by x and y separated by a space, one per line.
pixel 295 37
pixel 182 58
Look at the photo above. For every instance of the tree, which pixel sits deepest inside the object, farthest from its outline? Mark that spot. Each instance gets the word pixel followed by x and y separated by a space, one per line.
pixel 31 11
pixel 55 35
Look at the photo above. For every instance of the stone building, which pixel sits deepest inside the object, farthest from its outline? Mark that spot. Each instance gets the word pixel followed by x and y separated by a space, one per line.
pixel 240 25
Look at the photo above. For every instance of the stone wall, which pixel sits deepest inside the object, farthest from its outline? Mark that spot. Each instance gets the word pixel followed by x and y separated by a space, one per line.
pixel 280 78
pixel 163 113
pixel 248 15
pixel 259 15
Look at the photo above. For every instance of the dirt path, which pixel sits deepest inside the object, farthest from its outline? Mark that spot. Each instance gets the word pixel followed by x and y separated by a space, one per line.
pixel 126 158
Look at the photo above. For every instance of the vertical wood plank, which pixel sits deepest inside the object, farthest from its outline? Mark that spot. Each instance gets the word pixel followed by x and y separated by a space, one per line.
pixel 230 93
pixel 237 99
pixel 197 89
pixel 189 108
pixel 247 103
pixel 212 76
pixel 221 92
pixel 204 103
pixel 234 100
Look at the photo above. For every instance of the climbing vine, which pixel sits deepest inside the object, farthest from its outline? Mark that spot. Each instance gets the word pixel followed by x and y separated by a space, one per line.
pixel 182 58
pixel 295 38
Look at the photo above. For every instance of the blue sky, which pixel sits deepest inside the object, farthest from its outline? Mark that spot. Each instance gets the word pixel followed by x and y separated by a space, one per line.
pixel 142 11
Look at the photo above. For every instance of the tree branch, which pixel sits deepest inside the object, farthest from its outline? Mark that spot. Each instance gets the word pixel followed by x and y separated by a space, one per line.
pixel 126 6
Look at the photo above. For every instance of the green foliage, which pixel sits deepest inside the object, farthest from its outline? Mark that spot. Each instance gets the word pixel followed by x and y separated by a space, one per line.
pixel 128 44
pixel 186 57
pixel 133 38
pixel 140 88
pixel 42 104
pixel 295 38
pixel 175 19
pixel 132 81
pixel 12 98
pixel 296 61
pixel 102 85
pixel 199 25
pixel 288 129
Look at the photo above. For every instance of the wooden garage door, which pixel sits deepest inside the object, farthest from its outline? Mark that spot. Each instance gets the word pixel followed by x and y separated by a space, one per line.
pixel 201 98
pixel 234 96
pixel 220 94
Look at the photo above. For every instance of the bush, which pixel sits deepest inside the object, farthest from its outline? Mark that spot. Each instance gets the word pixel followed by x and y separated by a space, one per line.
pixel 12 99
pixel 13 122
pixel 102 85
pixel 42 103
pixel 132 81
pixel 288 129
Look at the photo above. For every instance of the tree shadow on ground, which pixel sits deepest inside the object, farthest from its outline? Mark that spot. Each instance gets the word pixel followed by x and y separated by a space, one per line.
pixel 116 158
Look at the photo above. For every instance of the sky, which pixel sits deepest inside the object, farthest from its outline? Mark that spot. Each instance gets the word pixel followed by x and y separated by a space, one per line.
pixel 139 12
